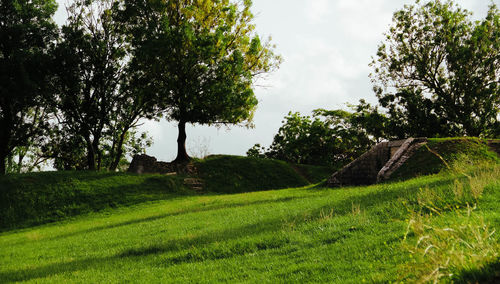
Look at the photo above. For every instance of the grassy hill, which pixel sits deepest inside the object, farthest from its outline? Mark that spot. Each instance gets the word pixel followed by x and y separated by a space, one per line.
pixel 38 198
pixel 403 231
pixel 152 228
pixel 233 174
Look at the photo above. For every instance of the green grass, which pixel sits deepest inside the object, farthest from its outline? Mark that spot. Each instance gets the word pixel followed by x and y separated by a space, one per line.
pixel 233 174
pixel 315 174
pixel 32 199
pixel 308 234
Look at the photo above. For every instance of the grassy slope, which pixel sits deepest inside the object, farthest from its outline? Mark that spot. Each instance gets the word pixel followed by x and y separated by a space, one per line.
pixel 423 162
pixel 31 199
pixel 292 235
pixel 315 174
pixel 233 174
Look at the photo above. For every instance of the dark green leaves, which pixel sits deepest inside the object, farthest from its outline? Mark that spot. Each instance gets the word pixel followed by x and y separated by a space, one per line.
pixel 26 36
pixel 440 65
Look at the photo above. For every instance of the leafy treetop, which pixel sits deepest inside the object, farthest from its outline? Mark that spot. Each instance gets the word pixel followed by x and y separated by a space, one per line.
pixel 200 58
pixel 436 63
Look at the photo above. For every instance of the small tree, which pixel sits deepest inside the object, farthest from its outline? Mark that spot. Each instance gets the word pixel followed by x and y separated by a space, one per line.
pixel 26 34
pixel 439 72
pixel 329 137
pixel 200 58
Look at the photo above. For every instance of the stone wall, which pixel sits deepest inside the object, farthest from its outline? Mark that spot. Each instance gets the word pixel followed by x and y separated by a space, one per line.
pixel 377 164
pixel 364 170
pixel 144 164
pixel 400 156
pixel 494 146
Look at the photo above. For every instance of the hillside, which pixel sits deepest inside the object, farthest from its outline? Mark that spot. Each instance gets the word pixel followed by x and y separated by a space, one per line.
pixel 234 174
pixel 38 198
pixel 439 227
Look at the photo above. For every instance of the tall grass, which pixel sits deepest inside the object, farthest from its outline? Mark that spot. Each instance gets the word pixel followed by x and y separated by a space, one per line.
pixel 445 243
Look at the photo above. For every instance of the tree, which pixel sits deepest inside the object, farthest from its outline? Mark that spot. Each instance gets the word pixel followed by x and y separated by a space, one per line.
pixel 199 58
pixel 26 34
pixel 96 102
pixel 133 105
pixel 439 71
pixel 329 137
pixel 411 114
pixel 368 120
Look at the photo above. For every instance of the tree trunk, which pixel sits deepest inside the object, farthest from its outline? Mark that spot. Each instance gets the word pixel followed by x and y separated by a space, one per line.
pixel 3 161
pixel 20 159
pixel 4 149
pixel 182 155
pixel 6 127
pixel 96 150
pixel 90 156
pixel 119 152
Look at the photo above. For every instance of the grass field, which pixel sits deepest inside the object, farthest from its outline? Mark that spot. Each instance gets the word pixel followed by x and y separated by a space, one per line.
pixel 38 198
pixel 439 227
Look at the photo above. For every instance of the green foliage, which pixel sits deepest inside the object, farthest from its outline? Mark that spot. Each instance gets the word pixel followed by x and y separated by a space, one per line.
pixel 346 235
pixel 97 105
pixel 200 58
pixel 26 36
pixel 67 149
pixel 437 72
pixel 331 138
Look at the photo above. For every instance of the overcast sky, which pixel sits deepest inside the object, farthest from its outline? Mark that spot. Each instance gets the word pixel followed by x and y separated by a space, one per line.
pixel 326 45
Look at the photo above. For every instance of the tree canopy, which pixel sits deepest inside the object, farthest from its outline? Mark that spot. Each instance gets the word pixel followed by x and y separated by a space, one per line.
pixel 199 58
pixel 328 137
pixel 438 72
pixel 27 32
pixel 76 94
pixel 97 106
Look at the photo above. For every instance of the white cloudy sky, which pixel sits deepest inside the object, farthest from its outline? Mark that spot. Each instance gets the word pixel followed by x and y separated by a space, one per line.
pixel 327 46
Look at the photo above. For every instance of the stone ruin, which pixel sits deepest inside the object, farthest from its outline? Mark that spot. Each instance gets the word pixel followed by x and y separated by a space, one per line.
pixel 377 164
pixel 144 164
pixel 494 145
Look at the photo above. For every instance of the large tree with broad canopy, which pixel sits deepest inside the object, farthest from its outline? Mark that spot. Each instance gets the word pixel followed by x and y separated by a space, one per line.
pixel 200 59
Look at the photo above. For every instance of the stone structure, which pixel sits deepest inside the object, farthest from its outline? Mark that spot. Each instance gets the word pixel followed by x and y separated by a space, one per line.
pixel 494 145
pixel 144 164
pixel 399 157
pixel 377 164
pixel 194 183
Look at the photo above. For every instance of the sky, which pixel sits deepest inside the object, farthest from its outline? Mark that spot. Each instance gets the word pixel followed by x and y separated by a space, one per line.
pixel 326 45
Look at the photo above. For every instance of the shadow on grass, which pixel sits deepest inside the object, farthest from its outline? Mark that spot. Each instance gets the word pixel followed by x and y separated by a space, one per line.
pixel 487 274
pixel 393 193
pixel 43 203
pixel 177 213
pixel 342 206
pixel 172 245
